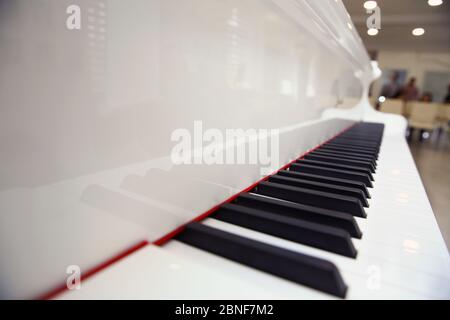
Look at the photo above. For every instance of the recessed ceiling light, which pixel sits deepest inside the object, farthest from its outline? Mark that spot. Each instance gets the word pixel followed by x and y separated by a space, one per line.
pixel 372 32
pixel 370 5
pixel 418 31
pixel 434 3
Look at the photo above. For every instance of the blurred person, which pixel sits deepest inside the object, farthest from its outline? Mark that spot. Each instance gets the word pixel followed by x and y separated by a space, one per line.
pixel 427 97
pixel 410 91
pixel 447 97
pixel 391 90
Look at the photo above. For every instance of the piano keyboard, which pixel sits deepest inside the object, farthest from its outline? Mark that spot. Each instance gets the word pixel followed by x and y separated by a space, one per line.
pixel 313 203
pixel 330 225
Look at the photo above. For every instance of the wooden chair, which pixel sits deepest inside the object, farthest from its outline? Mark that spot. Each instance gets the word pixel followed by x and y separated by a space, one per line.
pixel 444 113
pixel 424 115
pixel 407 109
pixel 392 106
pixel 444 117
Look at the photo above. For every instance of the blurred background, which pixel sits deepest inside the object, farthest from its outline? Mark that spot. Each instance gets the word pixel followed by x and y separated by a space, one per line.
pixel 412 46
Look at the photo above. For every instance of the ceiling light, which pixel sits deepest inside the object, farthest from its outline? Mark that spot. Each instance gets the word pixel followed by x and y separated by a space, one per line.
pixel 372 32
pixel 370 5
pixel 418 31
pixel 434 3
pixel 349 25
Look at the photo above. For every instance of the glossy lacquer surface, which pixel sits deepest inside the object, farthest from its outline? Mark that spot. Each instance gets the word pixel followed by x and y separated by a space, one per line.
pixel 86 116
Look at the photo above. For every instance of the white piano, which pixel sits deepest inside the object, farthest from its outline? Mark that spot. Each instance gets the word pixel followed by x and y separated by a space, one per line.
pixel 88 180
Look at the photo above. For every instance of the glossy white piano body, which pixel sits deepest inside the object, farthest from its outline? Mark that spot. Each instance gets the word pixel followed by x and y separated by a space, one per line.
pixel 86 120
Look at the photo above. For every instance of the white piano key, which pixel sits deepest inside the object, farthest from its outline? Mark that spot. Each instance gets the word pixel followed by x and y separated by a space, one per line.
pixel 408 258
pixel 178 271
pixel 392 274
pixel 357 284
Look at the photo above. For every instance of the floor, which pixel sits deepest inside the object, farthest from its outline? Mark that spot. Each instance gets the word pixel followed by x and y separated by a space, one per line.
pixel 432 157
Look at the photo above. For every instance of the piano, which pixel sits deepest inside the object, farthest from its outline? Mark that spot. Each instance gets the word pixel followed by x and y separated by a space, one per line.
pixel 88 180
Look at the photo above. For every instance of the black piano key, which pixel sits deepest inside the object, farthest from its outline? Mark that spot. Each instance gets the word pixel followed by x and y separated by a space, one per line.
pixel 334 173
pixel 355 152
pixel 300 268
pixel 302 212
pixel 366 125
pixel 319 178
pixel 370 148
pixel 353 147
pixel 307 233
pixel 362 142
pixel 348 152
pixel 348 162
pixel 314 198
pixel 320 186
pixel 364 131
pixel 356 139
pixel 345 155
pixel 361 136
pixel 359 142
pixel 336 166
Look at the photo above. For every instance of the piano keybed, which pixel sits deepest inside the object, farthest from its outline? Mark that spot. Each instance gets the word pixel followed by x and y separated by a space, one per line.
pixel 313 203
pixel 261 246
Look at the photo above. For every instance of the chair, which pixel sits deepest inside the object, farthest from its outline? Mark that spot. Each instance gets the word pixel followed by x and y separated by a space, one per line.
pixel 424 115
pixel 444 117
pixel 407 110
pixel 444 113
pixel 392 106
